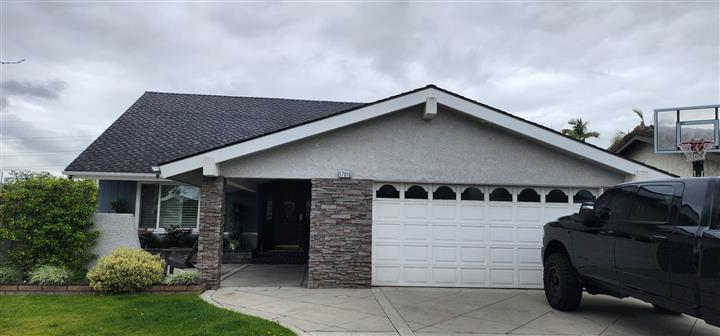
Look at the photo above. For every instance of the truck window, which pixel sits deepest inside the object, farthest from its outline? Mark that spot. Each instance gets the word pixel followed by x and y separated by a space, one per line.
pixel 613 204
pixel 653 204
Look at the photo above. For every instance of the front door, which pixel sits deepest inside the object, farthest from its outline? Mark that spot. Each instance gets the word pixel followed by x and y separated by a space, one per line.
pixel 286 212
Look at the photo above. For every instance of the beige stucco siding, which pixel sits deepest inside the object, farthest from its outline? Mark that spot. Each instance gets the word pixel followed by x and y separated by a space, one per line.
pixel 451 148
pixel 673 163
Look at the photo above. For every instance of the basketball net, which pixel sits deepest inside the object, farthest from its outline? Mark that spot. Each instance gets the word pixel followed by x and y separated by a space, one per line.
pixel 695 149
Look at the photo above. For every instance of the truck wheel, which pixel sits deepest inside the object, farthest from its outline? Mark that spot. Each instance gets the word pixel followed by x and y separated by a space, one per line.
pixel 562 286
pixel 664 310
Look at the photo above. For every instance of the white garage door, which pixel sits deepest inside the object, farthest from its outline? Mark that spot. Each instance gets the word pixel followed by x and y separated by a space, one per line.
pixel 464 236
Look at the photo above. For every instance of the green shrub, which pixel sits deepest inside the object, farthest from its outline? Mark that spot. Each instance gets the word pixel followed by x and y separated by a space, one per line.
pixel 184 278
pixel 9 274
pixel 50 275
pixel 126 270
pixel 47 220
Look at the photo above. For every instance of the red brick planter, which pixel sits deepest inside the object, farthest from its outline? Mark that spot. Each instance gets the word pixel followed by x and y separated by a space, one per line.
pixel 85 289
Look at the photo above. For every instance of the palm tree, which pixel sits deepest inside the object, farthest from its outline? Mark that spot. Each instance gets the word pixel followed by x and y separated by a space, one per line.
pixel 579 130
pixel 640 114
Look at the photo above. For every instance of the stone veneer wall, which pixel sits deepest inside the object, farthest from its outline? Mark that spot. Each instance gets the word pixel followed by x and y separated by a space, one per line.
pixel 340 234
pixel 210 230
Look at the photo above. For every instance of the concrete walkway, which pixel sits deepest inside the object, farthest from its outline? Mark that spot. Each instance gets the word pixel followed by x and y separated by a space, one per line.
pixel 440 311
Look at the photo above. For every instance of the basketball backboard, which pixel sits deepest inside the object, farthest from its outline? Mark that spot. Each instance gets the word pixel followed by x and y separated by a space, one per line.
pixel 681 124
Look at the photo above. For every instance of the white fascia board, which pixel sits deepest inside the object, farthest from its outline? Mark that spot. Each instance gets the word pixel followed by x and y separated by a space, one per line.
pixel 551 138
pixel 114 176
pixel 465 106
pixel 295 133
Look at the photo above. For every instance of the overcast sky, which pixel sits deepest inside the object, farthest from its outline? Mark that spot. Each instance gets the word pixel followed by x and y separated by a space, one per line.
pixel 547 62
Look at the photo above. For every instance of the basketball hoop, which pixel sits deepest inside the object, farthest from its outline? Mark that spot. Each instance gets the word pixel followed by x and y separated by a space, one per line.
pixel 695 151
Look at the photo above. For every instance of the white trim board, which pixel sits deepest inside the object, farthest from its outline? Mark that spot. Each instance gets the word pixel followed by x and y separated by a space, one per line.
pixel 116 176
pixel 550 138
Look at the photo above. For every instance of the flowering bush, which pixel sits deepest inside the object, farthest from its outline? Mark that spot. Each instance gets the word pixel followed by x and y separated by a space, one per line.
pixel 126 270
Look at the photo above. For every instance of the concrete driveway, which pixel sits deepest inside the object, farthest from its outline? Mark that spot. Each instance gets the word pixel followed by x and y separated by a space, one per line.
pixel 440 311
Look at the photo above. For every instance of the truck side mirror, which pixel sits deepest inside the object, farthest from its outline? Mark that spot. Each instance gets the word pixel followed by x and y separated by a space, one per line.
pixel 587 213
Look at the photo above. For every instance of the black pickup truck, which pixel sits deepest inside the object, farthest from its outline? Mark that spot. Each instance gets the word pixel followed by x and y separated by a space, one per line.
pixel 658 241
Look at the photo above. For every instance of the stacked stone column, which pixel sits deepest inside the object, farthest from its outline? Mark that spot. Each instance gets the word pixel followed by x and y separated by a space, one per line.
pixel 210 230
pixel 340 234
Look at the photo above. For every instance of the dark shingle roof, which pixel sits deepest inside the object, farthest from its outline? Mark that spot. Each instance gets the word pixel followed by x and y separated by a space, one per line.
pixel 161 127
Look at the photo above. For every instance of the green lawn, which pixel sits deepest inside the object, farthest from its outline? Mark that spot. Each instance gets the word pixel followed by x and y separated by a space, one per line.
pixel 144 315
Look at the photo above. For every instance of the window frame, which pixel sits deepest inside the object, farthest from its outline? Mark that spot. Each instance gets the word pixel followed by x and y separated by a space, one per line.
pixel 453 188
pixel 159 184
pixel 510 190
pixel 397 187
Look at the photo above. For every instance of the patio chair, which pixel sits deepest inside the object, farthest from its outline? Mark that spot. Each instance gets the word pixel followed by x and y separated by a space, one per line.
pixel 181 261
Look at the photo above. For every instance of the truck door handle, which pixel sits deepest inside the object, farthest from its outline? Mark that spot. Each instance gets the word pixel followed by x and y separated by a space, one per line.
pixel 607 233
pixel 658 238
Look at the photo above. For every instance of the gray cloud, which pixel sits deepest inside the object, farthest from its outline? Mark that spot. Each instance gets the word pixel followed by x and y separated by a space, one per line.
pixel 47 90
pixel 547 62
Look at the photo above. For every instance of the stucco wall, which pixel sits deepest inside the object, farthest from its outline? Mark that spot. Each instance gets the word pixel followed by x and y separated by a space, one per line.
pixel 673 163
pixel 116 230
pixel 451 148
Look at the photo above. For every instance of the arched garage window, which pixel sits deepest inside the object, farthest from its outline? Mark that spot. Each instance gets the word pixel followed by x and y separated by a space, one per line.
pixel 416 192
pixel 556 196
pixel 528 195
pixel 500 195
pixel 387 191
pixel 472 194
pixel 583 196
pixel 444 193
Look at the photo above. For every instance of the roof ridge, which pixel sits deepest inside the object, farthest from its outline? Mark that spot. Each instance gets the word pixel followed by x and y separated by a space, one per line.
pixel 253 97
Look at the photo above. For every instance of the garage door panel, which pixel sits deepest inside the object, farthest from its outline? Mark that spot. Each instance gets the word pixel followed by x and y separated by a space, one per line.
pixel 444 276
pixel 415 232
pixel 387 231
pixel 444 232
pixel 444 212
pixel 472 233
pixel 412 210
pixel 416 253
pixel 387 252
pixel 472 254
pixel 502 256
pixel 502 234
pixel 500 213
pixel 529 235
pixel 529 256
pixel 474 276
pixel 472 212
pixel 387 210
pixel 458 243
pixel 444 253
pixel 530 278
pixel 387 274
pixel 502 277
pixel 416 275
pixel 531 214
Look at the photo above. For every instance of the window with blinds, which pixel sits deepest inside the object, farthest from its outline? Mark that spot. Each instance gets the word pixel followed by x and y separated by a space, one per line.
pixel 177 206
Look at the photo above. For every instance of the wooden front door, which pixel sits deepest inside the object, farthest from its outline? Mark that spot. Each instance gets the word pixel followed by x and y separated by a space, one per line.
pixel 287 215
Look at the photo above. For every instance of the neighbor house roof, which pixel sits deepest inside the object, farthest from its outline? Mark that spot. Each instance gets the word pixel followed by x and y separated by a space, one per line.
pixel 165 126
pixel 639 133
pixel 181 132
